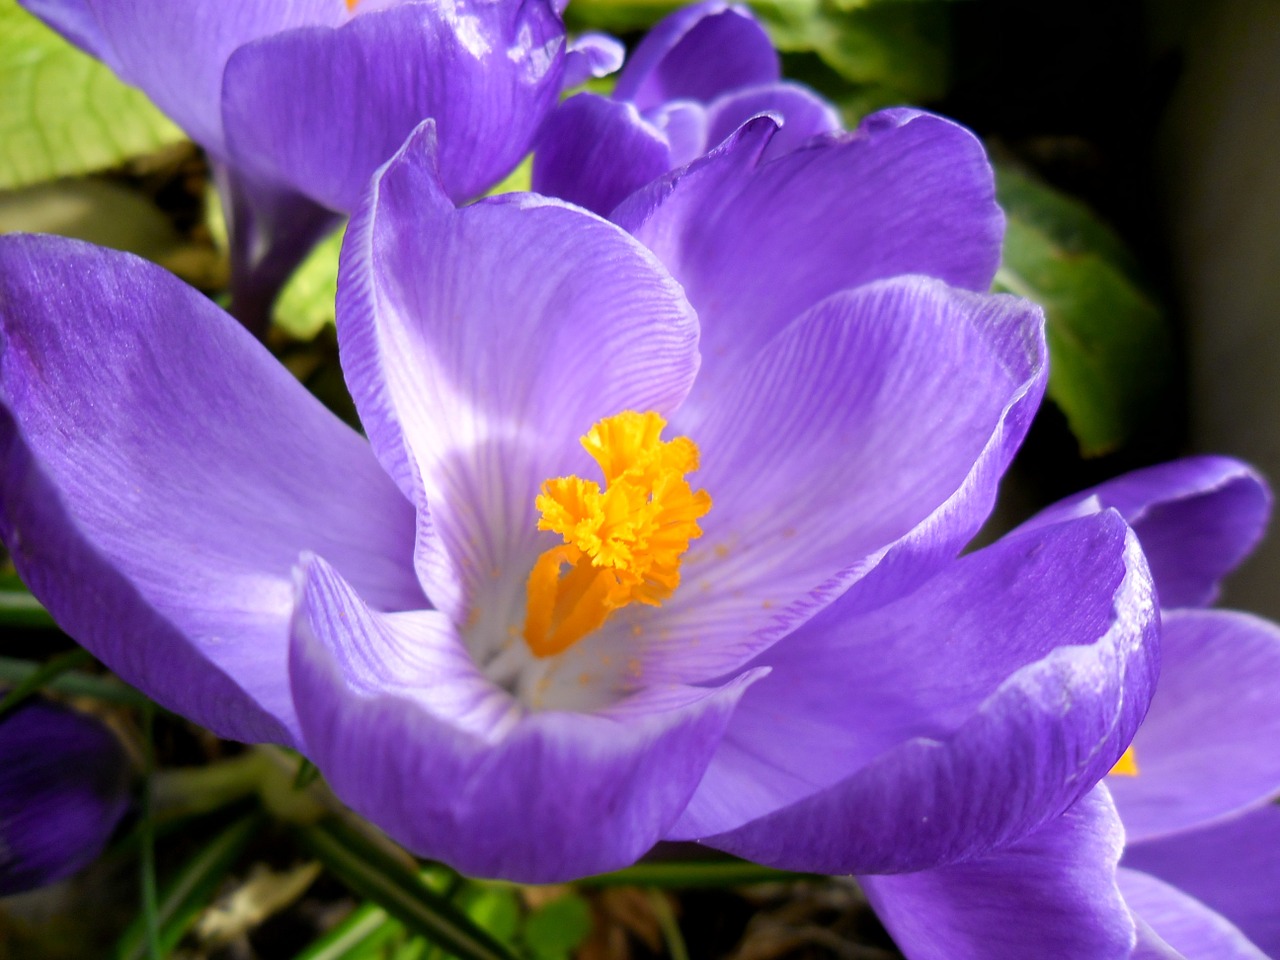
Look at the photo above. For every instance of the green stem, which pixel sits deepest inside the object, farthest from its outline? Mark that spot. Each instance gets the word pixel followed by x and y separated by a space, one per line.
pixel 20 609
pixel 687 875
pixel 72 683
pixel 150 913
pixel 267 772
pixel 667 922
pixel 42 675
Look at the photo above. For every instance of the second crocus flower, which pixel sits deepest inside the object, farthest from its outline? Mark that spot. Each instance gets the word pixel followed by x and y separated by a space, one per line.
pixel 64 785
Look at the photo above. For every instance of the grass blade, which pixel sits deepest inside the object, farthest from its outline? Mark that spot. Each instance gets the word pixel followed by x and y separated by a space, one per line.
pixel 42 675
pixel 371 873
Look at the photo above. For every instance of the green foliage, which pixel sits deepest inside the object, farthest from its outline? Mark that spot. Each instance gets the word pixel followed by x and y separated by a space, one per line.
pixel 64 113
pixel 880 52
pixel 554 930
pixel 189 891
pixel 18 608
pixel 370 871
pixel 1110 348
pixel 306 304
pixel 44 675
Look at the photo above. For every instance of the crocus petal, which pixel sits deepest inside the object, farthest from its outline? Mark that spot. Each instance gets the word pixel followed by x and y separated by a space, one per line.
pixel 802 113
pixel 755 244
pixel 162 472
pixel 1052 897
pixel 595 152
pixel 592 55
pixel 863 445
pixel 480 344
pixel 845 688
pixel 414 739
pixel 177 54
pixel 63 790
pixel 486 72
pixel 698 53
pixel 966 762
pixel 1208 747
pixel 1231 867
pixel 270 231
pixel 1177 925
pixel 75 20
pixel 1197 519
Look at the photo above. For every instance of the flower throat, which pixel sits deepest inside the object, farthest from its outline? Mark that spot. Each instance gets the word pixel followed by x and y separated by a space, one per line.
pixel 622 543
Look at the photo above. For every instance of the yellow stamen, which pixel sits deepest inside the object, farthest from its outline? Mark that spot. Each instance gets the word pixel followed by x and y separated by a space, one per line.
pixel 351 5
pixel 622 543
pixel 1126 766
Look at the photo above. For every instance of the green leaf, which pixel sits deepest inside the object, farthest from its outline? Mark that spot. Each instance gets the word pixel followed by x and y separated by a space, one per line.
pixel 556 929
pixel 892 52
pixel 1110 348
pixel 519 180
pixel 494 908
pixel 190 891
pixel 73 683
pixel 367 929
pixel 18 607
pixel 618 16
pixel 43 676
pixel 305 306
pixel 63 113
pixel 676 874
pixel 371 872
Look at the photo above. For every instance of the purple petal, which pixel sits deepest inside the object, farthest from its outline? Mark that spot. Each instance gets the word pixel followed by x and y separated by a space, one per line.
pixel 75 20
pixel 161 474
pixel 592 55
pixel 1173 924
pixel 845 688
pixel 595 152
pixel 956 749
pixel 698 53
pixel 480 344
pixel 1197 518
pixel 487 73
pixel 828 463
pixel 65 786
pixel 756 244
pixel 270 230
pixel 1231 867
pixel 177 53
pixel 802 113
pixel 1208 747
pixel 410 735
pixel 1052 896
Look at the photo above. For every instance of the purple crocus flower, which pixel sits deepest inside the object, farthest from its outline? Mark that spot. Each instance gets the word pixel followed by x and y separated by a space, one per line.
pixel 607 570
pixel 64 785
pixel 1188 808
pixel 695 78
pixel 297 103
pixel 1201 869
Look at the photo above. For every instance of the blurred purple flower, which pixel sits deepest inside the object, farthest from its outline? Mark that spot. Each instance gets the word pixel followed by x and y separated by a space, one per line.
pixel 696 77
pixel 297 103
pixel 64 785
pixel 776 652
pixel 1191 812
pixel 1201 868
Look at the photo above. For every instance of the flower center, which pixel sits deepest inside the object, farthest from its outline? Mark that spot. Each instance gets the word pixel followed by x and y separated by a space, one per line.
pixel 623 543
pixel 351 5
pixel 1126 766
